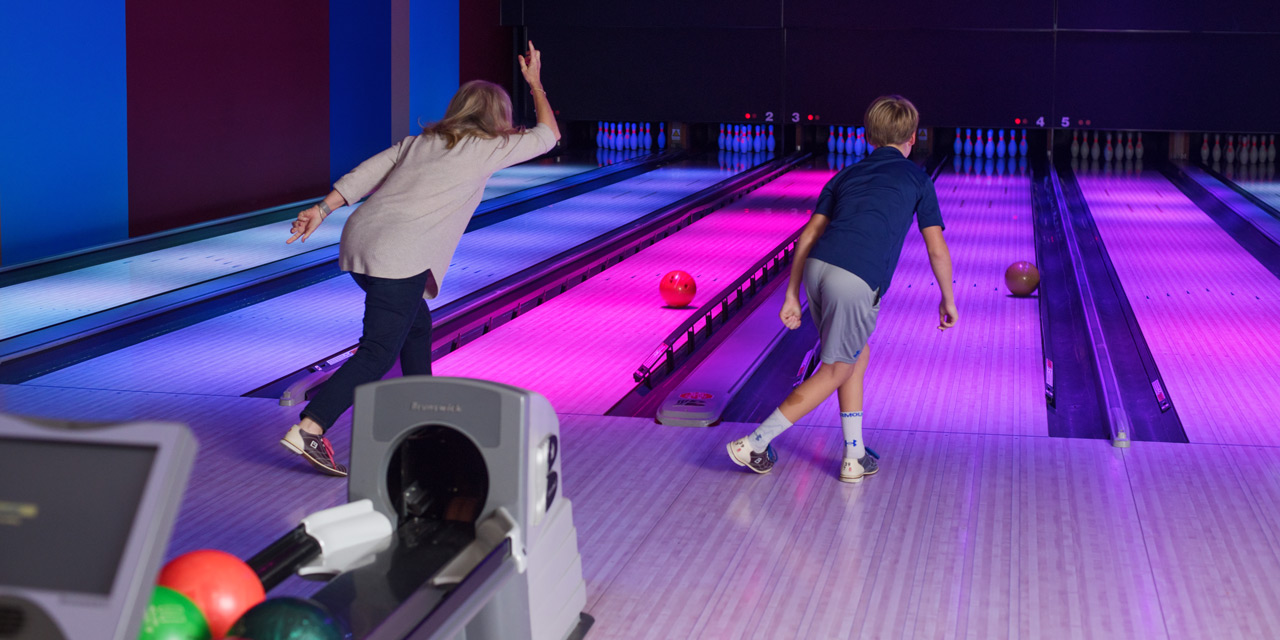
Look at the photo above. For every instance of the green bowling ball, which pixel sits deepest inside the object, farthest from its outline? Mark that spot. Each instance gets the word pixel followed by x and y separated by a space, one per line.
pixel 287 619
pixel 172 616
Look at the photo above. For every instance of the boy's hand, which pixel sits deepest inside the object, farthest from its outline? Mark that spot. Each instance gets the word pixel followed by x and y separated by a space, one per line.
pixel 308 221
pixel 791 312
pixel 947 315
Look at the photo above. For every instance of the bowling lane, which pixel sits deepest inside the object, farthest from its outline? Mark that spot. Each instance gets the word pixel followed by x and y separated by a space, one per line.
pixel 986 375
pixel 581 348
pixel 1209 311
pixel 1261 219
pixel 55 299
pixel 1258 179
pixel 237 352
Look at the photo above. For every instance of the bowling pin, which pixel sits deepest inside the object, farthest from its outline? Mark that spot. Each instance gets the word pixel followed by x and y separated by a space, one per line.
pixel 1217 147
pixel 1128 146
pixel 860 143
pixel 851 143
pixel 662 136
pixel 1000 145
pixel 1022 145
pixel 1096 151
pixel 771 142
pixel 1255 152
pixel 1075 143
pixel 758 143
pixel 989 151
pixel 1231 149
pixel 1137 151
pixel 1271 148
pixel 968 142
pixel 599 133
pixel 1108 153
pixel 958 145
pixel 831 139
pixel 1204 149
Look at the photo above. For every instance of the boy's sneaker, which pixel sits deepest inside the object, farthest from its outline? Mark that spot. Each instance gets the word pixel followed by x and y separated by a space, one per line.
pixel 315 449
pixel 854 470
pixel 743 455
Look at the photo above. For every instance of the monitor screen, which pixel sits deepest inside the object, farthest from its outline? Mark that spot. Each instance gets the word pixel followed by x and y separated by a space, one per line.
pixel 66 510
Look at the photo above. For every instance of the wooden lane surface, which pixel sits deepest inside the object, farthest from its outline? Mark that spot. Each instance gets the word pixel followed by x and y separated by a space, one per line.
pixel 985 375
pixel 1208 310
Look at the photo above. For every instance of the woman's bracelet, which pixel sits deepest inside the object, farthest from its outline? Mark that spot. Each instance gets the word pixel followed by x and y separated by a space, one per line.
pixel 537 91
pixel 324 209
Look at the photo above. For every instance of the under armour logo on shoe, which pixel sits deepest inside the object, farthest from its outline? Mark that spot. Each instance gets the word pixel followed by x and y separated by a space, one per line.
pixel 759 437
pixel 851 443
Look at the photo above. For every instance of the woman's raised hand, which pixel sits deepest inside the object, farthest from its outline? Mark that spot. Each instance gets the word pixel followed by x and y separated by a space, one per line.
pixel 531 67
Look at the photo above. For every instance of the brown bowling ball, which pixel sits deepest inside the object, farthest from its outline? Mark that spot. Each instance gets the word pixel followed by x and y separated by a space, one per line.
pixel 1022 278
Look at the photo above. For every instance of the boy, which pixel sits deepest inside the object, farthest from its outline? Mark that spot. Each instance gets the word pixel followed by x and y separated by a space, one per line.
pixel 846 254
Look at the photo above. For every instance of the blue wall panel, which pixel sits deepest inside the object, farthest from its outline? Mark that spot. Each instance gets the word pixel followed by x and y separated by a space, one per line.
pixel 433 49
pixel 359 82
pixel 63 127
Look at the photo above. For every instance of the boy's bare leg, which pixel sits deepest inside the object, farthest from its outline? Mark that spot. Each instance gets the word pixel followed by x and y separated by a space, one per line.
pixel 850 395
pixel 851 391
pixel 752 450
pixel 857 464
pixel 809 394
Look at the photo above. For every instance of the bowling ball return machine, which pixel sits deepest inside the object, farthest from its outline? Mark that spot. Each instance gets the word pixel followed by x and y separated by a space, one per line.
pixel 80 547
pixel 456 526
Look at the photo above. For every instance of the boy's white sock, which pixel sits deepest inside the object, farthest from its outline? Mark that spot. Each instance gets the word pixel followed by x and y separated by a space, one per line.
pixel 775 424
pixel 851 424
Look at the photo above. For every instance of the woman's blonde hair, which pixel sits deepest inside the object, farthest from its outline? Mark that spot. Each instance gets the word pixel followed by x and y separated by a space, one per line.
pixel 891 120
pixel 479 108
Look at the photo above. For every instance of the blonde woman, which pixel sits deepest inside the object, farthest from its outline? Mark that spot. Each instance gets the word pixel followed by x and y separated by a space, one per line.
pixel 397 245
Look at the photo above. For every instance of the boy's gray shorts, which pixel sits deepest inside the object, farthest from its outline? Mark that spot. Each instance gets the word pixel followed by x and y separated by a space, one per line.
pixel 843 306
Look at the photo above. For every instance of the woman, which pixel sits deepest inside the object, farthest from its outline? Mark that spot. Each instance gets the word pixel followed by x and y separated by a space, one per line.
pixel 397 246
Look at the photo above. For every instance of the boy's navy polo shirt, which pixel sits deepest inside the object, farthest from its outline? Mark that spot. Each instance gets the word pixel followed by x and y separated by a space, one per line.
pixel 870 205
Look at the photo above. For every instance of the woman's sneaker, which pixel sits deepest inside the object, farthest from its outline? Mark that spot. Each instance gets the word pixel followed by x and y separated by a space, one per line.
pixel 743 455
pixel 316 449
pixel 854 470
pixel 293 440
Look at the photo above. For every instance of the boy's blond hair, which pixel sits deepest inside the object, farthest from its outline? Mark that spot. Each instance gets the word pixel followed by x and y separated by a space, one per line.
pixel 891 120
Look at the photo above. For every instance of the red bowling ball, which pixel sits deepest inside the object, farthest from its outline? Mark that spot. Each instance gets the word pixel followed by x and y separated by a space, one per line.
pixel 677 289
pixel 220 584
